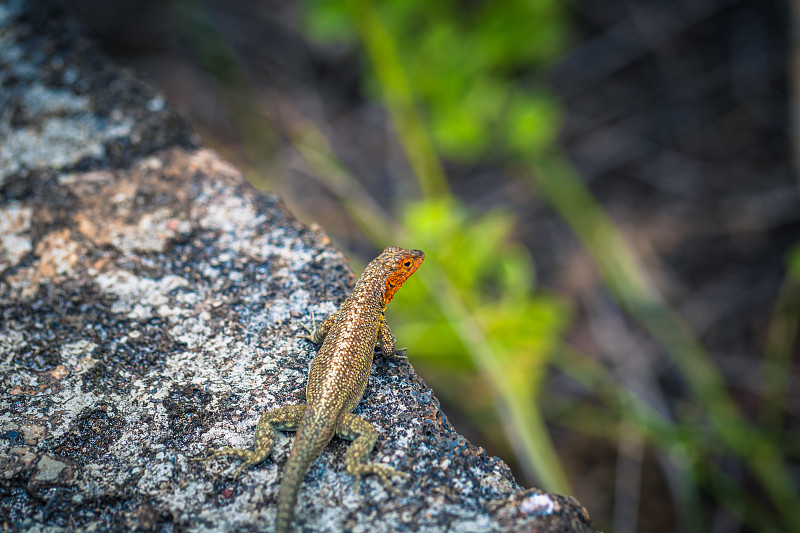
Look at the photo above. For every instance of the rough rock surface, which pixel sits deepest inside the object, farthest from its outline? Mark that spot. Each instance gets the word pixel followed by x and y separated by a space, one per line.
pixel 149 302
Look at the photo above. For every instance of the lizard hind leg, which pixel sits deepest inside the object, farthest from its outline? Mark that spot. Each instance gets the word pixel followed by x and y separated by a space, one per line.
pixel 286 418
pixel 363 434
pixel 316 334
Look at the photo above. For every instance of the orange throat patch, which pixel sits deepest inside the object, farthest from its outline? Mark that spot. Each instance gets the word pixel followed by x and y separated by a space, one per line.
pixel 406 265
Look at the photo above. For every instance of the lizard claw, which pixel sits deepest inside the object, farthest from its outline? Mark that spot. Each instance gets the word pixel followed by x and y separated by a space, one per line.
pixel 400 353
pixel 239 470
pixel 249 457
pixel 382 471
pixel 210 454
pixel 310 336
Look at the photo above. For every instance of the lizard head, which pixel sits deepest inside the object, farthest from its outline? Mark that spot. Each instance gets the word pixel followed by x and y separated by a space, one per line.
pixel 401 263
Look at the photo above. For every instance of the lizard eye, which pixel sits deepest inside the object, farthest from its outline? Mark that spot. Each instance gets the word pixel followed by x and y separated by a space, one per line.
pixel 407 264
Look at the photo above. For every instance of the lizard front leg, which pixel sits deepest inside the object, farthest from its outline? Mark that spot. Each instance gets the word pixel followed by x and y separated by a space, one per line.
pixel 363 435
pixel 386 341
pixel 285 418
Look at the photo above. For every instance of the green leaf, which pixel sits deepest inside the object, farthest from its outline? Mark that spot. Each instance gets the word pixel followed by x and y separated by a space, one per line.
pixel 533 122
pixel 327 21
pixel 794 264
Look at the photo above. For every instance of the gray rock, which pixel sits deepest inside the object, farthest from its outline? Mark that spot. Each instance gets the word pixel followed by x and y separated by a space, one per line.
pixel 149 302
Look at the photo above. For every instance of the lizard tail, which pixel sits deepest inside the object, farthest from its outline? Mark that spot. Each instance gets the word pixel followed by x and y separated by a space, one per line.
pixel 313 435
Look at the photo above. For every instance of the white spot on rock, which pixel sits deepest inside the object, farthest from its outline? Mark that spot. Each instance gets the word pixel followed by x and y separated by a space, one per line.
pixel 537 505
pixel 15 221
pixel 140 297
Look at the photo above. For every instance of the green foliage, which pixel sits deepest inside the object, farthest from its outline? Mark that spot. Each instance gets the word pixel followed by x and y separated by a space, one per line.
pixel 794 264
pixel 489 332
pixel 328 21
pixel 533 122
pixel 466 63
pixel 494 276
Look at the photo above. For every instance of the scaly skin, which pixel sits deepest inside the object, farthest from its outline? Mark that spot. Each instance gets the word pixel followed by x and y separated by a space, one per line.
pixel 336 383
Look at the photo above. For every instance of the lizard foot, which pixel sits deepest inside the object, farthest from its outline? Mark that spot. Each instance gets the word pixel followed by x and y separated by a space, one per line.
pixel 400 353
pixel 382 471
pixel 311 330
pixel 249 457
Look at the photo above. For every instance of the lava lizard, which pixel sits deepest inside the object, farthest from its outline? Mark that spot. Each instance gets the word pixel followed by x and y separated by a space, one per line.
pixel 336 382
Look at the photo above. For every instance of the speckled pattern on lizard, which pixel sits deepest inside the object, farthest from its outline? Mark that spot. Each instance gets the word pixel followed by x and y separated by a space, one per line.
pixel 336 383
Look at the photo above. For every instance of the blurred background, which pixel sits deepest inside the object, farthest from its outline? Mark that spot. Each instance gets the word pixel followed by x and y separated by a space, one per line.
pixel 607 196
